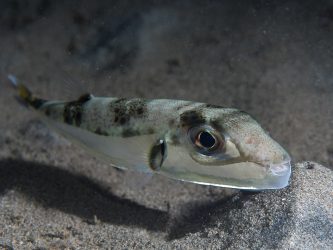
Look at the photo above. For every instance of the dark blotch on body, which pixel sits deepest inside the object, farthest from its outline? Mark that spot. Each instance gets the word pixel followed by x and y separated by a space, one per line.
pixel 191 118
pixel 99 131
pixel 73 110
pixel 84 98
pixel 184 105
pixel 73 113
pixel 118 107
pixel 123 120
pixel 213 106
pixel 48 111
pixel 136 107
pixel 124 110
pixel 150 131
pixel 37 102
pixel 130 132
pixel 139 111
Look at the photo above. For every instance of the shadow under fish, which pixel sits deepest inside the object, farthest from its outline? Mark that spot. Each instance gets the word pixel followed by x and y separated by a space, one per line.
pixel 75 194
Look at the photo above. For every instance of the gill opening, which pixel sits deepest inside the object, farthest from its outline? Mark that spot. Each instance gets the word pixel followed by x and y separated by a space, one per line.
pixel 157 155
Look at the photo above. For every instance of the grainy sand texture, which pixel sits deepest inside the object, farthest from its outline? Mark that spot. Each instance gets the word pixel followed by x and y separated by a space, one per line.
pixel 273 59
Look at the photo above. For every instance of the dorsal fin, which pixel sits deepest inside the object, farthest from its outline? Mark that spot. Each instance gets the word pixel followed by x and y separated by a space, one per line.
pixel 84 98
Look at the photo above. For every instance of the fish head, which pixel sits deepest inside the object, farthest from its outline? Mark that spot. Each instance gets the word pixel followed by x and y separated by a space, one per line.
pixel 227 148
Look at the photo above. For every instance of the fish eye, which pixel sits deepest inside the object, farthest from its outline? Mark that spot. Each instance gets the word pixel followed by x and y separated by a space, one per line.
pixel 210 146
pixel 205 140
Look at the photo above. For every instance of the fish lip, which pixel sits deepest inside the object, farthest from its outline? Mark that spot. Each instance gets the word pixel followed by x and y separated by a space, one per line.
pixel 279 174
pixel 280 169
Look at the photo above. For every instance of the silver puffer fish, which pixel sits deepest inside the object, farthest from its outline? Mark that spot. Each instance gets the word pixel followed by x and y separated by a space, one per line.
pixel 183 140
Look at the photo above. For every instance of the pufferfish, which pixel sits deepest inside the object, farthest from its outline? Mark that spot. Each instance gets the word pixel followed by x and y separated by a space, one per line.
pixel 183 140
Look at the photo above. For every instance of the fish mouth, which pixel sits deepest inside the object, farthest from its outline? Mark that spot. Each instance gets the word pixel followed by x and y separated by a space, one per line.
pixel 280 169
pixel 280 174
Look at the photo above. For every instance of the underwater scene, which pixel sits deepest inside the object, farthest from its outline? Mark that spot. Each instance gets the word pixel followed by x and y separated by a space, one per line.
pixel 166 124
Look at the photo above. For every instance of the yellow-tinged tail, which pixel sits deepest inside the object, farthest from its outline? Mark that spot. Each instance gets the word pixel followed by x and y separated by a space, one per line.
pixel 24 95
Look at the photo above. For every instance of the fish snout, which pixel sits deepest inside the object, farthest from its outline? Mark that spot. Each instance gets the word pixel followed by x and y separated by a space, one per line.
pixel 279 173
pixel 280 169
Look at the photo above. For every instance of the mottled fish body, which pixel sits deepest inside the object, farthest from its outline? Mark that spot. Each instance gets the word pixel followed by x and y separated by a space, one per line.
pixel 184 140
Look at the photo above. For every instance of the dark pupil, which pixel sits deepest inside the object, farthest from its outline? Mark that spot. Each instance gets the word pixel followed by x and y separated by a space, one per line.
pixel 206 140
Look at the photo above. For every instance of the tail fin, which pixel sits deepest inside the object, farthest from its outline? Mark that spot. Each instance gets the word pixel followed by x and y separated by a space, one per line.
pixel 24 95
